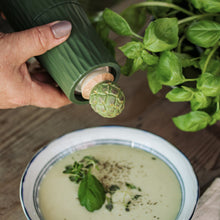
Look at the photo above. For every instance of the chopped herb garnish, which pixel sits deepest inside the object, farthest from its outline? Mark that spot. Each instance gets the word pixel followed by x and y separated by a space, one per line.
pixel 77 172
pixel 76 179
pixel 109 205
pixel 92 193
pixel 113 188
pixel 79 169
pixel 89 161
pixel 127 209
pixel 136 197
pixel 132 186
pixel 110 191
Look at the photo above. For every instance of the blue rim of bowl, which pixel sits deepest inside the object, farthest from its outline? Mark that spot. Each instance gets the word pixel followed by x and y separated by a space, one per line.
pixel 144 147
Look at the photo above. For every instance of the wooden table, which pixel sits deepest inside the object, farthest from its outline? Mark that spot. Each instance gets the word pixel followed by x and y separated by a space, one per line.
pixel 25 130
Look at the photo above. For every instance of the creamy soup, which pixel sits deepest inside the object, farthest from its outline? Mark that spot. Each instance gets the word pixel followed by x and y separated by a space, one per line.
pixel 155 193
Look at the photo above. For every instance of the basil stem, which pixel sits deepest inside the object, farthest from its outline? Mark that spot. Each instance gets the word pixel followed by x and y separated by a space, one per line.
pixel 217 104
pixel 192 18
pixel 209 57
pixel 163 4
pixel 180 43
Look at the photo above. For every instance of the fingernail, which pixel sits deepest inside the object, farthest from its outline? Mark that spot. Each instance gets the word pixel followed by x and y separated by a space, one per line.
pixel 61 29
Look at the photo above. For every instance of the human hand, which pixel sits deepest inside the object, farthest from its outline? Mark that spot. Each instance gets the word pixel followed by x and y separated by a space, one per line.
pixel 17 86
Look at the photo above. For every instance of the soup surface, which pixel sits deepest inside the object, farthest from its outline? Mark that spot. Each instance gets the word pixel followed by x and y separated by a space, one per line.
pixel 148 187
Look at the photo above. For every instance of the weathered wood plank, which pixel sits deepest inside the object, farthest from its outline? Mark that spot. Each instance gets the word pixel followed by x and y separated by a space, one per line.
pixel 25 130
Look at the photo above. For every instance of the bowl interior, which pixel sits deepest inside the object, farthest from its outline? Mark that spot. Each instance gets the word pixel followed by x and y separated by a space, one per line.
pixel 78 140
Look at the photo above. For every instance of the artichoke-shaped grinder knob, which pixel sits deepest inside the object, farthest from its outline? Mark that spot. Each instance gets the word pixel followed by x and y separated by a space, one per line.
pixel 107 99
pixel 104 96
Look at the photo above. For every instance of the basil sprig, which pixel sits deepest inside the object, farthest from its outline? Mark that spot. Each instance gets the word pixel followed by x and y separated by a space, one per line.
pixel 91 192
pixel 179 49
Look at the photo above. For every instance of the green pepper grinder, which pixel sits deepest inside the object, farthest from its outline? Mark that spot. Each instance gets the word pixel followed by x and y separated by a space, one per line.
pixel 82 66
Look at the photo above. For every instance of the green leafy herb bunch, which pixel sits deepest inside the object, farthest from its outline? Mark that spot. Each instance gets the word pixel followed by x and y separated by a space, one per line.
pixel 179 49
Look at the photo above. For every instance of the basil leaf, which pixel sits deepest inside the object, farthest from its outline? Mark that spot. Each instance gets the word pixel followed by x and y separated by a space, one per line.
pixel 200 101
pixel 148 58
pixel 216 115
pixel 161 35
pixel 110 45
pixel 101 27
pixel 91 193
pixel 140 15
pixel 211 6
pixel 193 121
pixel 103 31
pixel 133 65
pixel 126 69
pixel 213 65
pixel 117 23
pixel 137 65
pixel 186 60
pixel 179 95
pixel 204 33
pixel 132 49
pixel 213 121
pixel 209 84
pixel 169 69
pixel 153 82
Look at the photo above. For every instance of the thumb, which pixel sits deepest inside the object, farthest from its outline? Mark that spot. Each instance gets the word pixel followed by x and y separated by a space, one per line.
pixel 37 40
pixel 46 96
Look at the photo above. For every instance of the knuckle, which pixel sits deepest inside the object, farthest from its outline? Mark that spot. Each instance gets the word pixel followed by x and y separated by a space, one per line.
pixel 57 106
pixel 40 39
pixel 4 39
pixel 20 101
pixel 2 35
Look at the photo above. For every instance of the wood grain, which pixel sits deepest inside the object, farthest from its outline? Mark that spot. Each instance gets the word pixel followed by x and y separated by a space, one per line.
pixel 25 130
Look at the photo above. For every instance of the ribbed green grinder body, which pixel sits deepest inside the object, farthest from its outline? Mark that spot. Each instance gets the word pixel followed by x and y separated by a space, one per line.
pixel 69 62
